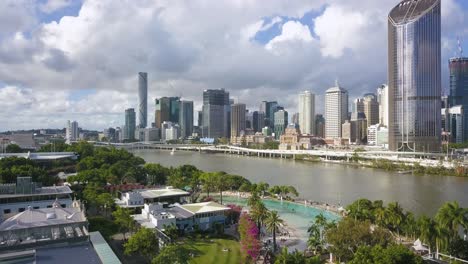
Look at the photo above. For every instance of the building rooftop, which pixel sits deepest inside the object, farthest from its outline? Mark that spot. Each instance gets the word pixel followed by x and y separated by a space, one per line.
pixel 159 193
pixel 409 10
pixel 43 217
pixel 208 207
pixel 49 190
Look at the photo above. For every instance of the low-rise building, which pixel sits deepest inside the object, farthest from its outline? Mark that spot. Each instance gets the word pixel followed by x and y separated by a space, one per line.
pixel 292 139
pixel 17 197
pixel 138 198
pixel 40 227
pixel 186 217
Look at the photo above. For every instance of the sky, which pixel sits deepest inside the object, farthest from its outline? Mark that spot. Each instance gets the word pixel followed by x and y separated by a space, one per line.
pixel 78 59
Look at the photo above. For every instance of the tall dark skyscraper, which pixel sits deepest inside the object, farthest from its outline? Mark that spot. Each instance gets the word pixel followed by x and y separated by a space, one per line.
pixel 216 113
pixel 186 118
pixel 237 119
pixel 414 73
pixel 459 93
pixel 130 124
pixel 142 99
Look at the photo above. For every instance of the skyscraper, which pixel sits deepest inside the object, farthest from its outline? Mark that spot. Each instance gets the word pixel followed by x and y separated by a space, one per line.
pixel 130 124
pixel 336 111
pixel 216 113
pixel 142 99
pixel 269 108
pixel 414 73
pixel 186 118
pixel 320 126
pixel 459 92
pixel 382 98
pixel 237 119
pixel 307 112
pixel 281 122
pixel 167 109
pixel 371 109
pixel 258 121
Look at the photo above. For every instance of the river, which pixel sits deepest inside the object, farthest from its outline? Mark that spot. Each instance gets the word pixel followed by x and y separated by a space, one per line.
pixel 330 183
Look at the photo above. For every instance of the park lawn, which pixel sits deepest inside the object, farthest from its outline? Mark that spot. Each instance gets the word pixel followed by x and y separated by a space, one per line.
pixel 209 251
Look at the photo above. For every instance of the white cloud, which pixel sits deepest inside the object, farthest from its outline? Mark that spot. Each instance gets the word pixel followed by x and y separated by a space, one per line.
pixel 292 31
pixel 53 5
pixel 340 29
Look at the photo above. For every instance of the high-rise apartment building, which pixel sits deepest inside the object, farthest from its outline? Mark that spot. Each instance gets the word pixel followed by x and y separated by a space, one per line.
pixel 307 113
pixel 358 105
pixel 371 109
pixel 186 118
pixel 142 99
pixel 237 119
pixel 130 124
pixel 216 113
pixel 382 98
pixel 72 132
pixel 459 95
pixel 414 72
pixel 281 122
pixel 336 111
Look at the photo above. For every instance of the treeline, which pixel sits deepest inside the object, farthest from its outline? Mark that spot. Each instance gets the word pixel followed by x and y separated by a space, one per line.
pixel 374 233
pixel 417 169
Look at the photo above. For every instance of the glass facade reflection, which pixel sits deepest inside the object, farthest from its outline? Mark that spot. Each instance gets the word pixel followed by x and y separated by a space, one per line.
pixel 414 72
pixel 459 92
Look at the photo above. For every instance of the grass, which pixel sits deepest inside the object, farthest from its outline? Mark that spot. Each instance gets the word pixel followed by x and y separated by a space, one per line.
pixel 209 251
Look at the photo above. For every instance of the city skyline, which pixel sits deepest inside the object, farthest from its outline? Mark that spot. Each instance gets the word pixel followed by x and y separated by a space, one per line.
pixel 94 89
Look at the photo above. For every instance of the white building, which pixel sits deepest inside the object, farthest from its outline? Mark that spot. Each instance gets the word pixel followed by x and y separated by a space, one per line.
pixel 336 111
pixel 71 132
pixel 169 131
pixel 147 134
pixel 307 112
pixel 137 198
pixel 382 98
pixel 382 137
pixel 372 134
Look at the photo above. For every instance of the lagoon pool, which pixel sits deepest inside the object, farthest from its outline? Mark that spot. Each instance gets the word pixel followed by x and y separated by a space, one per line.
pixel 295 215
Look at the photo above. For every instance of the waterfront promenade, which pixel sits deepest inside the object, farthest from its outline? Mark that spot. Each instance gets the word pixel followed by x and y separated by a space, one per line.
pixel 323 154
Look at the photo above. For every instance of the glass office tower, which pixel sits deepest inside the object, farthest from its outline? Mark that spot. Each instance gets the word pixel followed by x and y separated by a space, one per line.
pixel 414 72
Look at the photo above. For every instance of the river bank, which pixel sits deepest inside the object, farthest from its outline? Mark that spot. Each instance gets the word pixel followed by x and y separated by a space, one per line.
pixel 327 182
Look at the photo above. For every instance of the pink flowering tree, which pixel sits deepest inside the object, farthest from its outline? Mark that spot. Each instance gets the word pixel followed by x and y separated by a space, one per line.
pixel 248 232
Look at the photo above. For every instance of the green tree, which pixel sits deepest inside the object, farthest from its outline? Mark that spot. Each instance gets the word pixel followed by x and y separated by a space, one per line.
pixel 124 220
pixel 272 223
pixel 394 254
pixel 452 217
pixel 13 148
pixel 157 174
pixel 105 201
pixel 172 254
pixel 143 242
pixel 171 231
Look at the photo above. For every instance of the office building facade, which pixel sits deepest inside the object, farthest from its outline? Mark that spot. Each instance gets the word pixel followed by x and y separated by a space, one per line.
pixel 186 118
pixel 307 113
pixel 382 98
pixel 336 111
pixel 130 124
pixel 142 99
pixel 216 113
pixel 414 72
pixel 167 109
pixel 459 92
pixel 281 122
pixel 237 119
pixel 371 109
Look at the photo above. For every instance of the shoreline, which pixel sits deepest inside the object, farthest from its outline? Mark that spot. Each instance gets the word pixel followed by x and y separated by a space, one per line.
pixel 402 171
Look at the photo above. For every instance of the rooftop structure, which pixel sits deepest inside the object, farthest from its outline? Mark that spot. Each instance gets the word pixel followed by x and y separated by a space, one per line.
pixel 39 227
pixel 17 197
pixel 185 217
pixel 137 198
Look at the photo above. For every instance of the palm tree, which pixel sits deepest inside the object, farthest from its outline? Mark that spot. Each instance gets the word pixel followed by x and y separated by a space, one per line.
pixel 314 241
pixel 452 216
pixel 441 236
pixel 321 222
pixel 273 222
pixel 427 230
pixel 253 199
pixel 259 213
pixel 380 216
pixel 395 217
pixel 410 225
